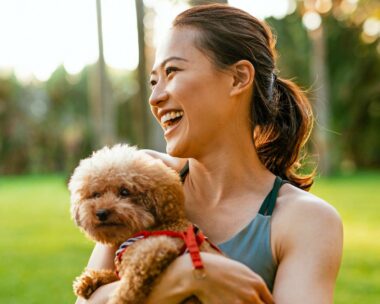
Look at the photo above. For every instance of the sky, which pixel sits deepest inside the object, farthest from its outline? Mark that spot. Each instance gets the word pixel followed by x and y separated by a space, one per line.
pixel 36 36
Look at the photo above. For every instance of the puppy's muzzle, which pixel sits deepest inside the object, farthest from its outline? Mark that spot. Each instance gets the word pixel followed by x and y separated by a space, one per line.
pixel 102 214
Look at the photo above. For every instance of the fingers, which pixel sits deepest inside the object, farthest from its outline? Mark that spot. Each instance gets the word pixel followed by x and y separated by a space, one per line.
pixel 263 292
pixel 257 300
pixel 265 296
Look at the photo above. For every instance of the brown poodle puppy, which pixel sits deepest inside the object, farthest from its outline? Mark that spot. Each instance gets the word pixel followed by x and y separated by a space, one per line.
pixel 116 193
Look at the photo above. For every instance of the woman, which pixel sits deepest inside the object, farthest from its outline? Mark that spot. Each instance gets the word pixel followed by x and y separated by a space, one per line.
pixel 236 131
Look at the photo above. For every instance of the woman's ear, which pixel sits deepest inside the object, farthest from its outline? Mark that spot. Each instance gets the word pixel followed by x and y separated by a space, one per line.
pixel 243 75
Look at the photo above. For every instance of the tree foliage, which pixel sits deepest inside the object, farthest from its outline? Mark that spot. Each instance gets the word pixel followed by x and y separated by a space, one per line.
pixel 46 127
pixel 353 66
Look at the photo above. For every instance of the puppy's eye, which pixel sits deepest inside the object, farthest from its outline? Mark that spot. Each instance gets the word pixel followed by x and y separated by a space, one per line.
pixel 124 192
pixel 95 195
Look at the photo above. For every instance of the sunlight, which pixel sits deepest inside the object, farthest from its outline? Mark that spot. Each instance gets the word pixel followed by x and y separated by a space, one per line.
pixel 165 13
pixel 37 36
pixel 120 34
pixel 264 9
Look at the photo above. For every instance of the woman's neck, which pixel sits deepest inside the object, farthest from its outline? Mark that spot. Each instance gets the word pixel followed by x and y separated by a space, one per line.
pixel 226 173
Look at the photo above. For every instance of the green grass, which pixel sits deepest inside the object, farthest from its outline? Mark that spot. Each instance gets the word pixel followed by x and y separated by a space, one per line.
pixel 357 198
pixel 41 250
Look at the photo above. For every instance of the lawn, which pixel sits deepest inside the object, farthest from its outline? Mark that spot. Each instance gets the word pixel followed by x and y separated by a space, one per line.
pixel 41 250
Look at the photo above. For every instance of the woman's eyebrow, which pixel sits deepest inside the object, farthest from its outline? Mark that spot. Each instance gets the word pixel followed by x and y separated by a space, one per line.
pixel 167 60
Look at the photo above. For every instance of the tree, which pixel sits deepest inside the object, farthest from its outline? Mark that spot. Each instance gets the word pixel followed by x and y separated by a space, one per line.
pixel 102 105
pixel 350 73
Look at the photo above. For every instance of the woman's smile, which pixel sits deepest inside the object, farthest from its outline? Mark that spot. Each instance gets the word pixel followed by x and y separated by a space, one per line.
pixel 189 95
pixel 170 121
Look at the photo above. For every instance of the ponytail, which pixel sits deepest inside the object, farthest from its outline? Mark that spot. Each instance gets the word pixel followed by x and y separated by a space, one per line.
pixel 280 140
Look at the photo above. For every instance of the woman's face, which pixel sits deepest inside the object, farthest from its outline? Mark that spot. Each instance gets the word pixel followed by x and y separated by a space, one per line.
pixel 190 97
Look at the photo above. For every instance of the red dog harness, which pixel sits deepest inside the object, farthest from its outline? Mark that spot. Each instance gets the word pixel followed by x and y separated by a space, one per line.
pixel 192 237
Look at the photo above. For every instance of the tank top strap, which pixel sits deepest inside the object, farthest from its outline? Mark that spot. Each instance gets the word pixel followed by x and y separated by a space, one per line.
pixel 269 202
pixel 184 171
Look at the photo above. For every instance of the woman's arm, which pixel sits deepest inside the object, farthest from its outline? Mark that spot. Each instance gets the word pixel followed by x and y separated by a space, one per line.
pixel 309 251
pixel 102 257
pixel 225 279
pixel 101 295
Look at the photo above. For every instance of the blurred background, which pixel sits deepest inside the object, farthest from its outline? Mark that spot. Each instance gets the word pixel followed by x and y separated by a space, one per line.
pixel 74 77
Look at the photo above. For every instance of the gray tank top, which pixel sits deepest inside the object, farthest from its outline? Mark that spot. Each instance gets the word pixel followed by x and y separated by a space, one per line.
pixel 251 246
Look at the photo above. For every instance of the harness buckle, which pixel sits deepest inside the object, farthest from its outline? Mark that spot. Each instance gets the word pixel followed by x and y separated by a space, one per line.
pixel 199 273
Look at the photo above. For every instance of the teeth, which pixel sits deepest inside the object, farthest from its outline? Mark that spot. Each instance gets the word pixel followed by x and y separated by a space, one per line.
pixel 171 115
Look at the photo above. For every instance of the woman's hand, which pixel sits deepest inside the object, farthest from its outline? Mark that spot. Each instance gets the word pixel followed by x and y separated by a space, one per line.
pixel 101 295
pixel 102 257
pixel 172 162
pixel 226 281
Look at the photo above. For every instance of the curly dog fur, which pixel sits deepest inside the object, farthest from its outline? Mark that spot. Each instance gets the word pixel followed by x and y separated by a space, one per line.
pixel 116 193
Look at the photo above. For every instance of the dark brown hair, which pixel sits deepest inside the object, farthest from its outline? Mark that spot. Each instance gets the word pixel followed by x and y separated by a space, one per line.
pixel 281 114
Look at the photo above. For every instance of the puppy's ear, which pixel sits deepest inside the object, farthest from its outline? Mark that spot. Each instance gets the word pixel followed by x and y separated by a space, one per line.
pixel 164 193
pixel 167 202
pixel 75 214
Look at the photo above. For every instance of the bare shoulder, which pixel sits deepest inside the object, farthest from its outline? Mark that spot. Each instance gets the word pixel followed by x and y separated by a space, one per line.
pixel 172 162
pixel 302 219
pixel 307 243
pixel 294 202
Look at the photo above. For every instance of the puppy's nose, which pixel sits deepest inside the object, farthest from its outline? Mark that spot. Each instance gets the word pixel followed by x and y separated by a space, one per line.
pixel 102 214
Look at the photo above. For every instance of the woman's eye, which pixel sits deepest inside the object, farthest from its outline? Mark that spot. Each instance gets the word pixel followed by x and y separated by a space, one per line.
pixel 153 83
pixel 170 70
pixel 124 192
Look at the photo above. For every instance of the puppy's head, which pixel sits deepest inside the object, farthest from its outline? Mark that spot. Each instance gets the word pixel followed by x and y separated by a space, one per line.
pixel 119 191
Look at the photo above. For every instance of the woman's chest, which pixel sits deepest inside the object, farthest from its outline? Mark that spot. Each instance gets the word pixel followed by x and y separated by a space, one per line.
pixel 222 221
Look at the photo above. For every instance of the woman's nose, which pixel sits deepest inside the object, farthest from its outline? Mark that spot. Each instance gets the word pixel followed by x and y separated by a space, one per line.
pixel 159 94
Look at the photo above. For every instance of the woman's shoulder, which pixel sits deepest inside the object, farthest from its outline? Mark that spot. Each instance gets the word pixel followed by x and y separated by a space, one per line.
pixel 294 202
pixel 301 219
pixel 173 162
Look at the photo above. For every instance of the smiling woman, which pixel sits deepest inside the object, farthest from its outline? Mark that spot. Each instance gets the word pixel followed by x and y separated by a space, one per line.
pixel 188 83
pixel 237 130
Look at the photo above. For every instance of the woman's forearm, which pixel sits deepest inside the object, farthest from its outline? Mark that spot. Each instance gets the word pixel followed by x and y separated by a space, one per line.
pixel 101 258
pixel 101 295
pixel 225 278
pixel 174 284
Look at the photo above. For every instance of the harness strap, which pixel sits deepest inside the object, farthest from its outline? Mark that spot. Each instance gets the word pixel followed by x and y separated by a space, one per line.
pixel 192 237
pixel 191 242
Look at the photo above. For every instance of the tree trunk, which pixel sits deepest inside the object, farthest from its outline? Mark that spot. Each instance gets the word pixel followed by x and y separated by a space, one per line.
pixel 102 106
pixel 321 104
pixel 141 122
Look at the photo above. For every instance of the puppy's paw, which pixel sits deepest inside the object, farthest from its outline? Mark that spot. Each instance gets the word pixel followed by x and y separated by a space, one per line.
pixel 84 286
pixel 90 280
